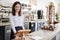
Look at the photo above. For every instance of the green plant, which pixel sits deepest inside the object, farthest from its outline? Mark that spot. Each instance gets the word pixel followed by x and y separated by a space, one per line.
pixel 57 17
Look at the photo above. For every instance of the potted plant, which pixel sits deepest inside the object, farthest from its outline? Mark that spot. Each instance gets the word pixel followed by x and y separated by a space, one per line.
pixel 57 17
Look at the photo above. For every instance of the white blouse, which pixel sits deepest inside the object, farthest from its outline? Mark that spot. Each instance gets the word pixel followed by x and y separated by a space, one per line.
pixel 16 21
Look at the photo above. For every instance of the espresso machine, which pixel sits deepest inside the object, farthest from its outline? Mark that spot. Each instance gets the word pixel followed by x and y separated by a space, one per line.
pixel 40 14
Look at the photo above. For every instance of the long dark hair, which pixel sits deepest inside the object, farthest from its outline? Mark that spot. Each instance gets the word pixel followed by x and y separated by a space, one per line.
pixel 13 8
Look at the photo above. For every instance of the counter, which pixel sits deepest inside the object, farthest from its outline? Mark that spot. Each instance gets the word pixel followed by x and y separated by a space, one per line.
pixel 48 35
pixel 5 31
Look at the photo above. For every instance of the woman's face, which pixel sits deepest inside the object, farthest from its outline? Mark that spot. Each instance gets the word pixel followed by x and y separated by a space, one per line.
pixel 17 8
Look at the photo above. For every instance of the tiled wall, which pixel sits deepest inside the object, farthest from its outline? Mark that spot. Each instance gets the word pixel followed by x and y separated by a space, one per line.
pixel 59 10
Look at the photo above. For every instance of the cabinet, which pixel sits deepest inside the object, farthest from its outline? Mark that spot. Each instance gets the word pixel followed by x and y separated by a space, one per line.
pixel 32 26
pixel 40 25
pixel 26 25
pixel 2 31
pixel 5 33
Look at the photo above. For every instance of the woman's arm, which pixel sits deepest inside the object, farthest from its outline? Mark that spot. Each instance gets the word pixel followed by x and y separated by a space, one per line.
pixel 12 23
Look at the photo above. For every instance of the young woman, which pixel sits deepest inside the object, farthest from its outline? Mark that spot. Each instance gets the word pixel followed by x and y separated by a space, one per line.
pixel 16 19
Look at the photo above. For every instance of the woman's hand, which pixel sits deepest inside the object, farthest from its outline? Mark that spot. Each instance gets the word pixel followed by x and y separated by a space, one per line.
pixel 17 38
pixel 16 34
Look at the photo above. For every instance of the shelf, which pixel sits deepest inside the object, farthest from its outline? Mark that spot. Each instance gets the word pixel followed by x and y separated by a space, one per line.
pixel 5 24
pixel 39 20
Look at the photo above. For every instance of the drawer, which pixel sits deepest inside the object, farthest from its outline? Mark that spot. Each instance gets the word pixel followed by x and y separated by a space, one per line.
pixel 7 28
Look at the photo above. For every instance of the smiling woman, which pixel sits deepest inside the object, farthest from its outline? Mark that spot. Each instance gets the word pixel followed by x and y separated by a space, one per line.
pixel 16 19
pixel 16 8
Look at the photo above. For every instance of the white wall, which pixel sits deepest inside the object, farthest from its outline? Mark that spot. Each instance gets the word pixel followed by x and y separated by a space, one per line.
pixel 10 2
pixel 41 4
pixel 59 10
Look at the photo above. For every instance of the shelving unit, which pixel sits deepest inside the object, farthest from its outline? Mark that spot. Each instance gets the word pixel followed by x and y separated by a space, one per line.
pixel 6 10
pixel 5 31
